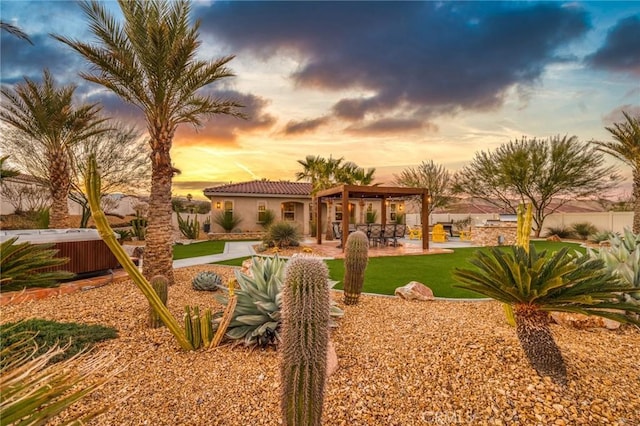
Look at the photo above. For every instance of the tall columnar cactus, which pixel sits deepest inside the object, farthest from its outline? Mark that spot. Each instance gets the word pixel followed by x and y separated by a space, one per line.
pixel 305 336
pixel 160 285
pixel 92 183
pixel 356 257
pixel 189 227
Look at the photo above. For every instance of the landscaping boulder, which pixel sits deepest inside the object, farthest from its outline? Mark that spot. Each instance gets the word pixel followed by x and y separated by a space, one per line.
pixel 582 322
pixel 554 238
pixel 246 267
pixel 415 291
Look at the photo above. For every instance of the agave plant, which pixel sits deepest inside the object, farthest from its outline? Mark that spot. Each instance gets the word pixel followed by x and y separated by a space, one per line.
pixel 622 258
pixel 535 284
pixel 22 265
pixel 256 319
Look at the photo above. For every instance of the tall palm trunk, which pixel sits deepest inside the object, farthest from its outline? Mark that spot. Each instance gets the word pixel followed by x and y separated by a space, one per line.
pixel 59 188
pixel 158 255
pixel 329 231
pixel 636 195
pixel 532 328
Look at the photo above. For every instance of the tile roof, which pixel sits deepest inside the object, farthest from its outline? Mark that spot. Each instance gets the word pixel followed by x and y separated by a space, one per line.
pixel 262 187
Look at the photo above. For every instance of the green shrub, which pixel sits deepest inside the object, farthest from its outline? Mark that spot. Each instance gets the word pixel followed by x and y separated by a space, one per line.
pixel 125 234
pixel 600 237
pixel 583 229
pixel 282 234
pixel 560 231
pixel 50 334
pixel 371 216
pixel 227 220
pixel 21 263
pixel 268 217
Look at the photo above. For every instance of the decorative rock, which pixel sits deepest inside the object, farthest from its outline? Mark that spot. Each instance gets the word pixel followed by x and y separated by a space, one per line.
pixel 332 359
pixel 246 267
pixel 580 321
pixel 554 238
pixel 415 291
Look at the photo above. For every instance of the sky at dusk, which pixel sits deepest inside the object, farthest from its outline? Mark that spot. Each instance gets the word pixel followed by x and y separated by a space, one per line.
pixel 382 84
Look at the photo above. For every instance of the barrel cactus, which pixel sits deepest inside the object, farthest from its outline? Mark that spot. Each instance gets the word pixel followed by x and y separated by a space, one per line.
pixel 305 337
pixel 207 281
pixel 356 257
pixel 160 285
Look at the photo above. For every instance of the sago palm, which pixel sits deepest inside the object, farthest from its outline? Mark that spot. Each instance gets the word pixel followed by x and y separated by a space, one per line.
pixel 149 60
pixel 626 148
pixel 47 115
pixel 535 284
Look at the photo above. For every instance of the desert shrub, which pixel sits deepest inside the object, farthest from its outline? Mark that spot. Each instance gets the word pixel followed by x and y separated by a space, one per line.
pixel 227 220
pixel 267 218
pixel 282 234
pixel 584 229
pixel 125 234
pixel 49 334
pixel 560 231
pixel 371 216
pixel 600 237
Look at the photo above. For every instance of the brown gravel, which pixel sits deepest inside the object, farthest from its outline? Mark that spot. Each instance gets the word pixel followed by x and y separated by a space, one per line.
pixel 401 363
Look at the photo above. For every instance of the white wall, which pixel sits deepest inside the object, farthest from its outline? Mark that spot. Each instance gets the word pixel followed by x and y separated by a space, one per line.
pixel 604 221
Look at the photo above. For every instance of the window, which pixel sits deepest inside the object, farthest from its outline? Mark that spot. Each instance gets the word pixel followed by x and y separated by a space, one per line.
pixel 393 215
pixel 262 211
pixel 352 212
pixel 289 212
pixel 228 208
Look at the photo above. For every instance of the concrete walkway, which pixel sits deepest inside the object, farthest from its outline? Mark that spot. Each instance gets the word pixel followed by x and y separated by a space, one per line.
pixel 232 250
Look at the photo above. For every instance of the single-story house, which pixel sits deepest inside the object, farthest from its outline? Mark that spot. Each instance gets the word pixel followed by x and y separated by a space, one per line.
pixel 289 201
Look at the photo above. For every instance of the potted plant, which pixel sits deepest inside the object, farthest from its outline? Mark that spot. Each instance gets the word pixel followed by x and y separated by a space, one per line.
pixel 206 226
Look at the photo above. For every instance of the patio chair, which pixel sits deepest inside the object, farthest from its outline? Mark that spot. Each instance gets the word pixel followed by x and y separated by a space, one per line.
pixel 388 234
pixel 398 232
pixel 415 233
pixel 438 234
pixel 465 235
pixel 375 234
pixel 337 230
pixel 364 227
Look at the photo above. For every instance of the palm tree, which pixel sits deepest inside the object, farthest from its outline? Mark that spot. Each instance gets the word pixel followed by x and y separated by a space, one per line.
pixel 46 114
pixel 535 284
pixel 14 30
pixel 626 148
pixel 149 61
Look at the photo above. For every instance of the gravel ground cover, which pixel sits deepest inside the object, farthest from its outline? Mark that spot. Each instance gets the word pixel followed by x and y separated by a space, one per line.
pixel 400 363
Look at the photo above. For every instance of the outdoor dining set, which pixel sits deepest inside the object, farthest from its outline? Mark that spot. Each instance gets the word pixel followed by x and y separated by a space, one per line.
pixel 378 234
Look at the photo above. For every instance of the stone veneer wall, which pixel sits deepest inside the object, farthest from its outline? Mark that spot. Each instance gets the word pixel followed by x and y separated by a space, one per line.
pixel 236 236
pixel 488 235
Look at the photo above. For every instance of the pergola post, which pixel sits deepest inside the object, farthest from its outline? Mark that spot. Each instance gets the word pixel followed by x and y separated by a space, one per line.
pixel 345 216
pixel 318 221
pixel 425 220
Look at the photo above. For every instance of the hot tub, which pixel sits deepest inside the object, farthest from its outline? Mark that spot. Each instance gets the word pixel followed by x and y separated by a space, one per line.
pixel 86 251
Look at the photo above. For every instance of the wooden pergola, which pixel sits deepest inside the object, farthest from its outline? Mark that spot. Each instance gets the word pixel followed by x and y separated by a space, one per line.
pixel 350 192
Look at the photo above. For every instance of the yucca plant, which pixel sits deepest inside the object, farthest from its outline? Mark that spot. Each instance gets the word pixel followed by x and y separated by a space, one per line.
pixel 535 284
pixel 21 265
pixel 256 319
pixel 227 220
pixel 282 234
pixel 560 232
pixel 34 390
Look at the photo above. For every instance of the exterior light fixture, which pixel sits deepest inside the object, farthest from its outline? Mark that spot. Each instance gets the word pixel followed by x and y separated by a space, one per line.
pixel 218 205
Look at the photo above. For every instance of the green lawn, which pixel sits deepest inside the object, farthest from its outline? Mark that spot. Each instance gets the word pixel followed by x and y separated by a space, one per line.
pixel 385 274
pixel 204 248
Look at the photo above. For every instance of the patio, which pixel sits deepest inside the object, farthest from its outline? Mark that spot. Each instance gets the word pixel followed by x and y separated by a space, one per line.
pixel 406 247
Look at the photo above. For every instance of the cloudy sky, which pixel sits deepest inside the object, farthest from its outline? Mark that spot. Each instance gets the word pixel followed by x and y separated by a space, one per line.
pixel 386 85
